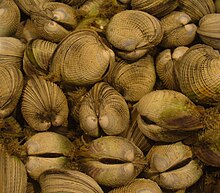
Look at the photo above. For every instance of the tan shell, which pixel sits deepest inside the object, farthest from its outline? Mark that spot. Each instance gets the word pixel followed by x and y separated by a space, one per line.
pixel 13 175
pixel 43 104
pixel 133 33
pixel 10 18
pixel 198 74
pixel 37 57
pixel 170 109
pixel 68 181
pixel 209 30
pixel 139 185
pixel 177 30
pixel 11 81
pixel 196 9
pixel 82 58
pixel 103 108
pixel 158 8
pixel 133 80
pixel 165 62
pixel 111 160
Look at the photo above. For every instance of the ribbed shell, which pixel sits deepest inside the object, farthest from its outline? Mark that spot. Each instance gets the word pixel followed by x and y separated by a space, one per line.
pixel 37 57
pixel 81 58
pixel 157 8
pixel 132 31
pixel 68 181
pixel 103 108
pixel 133 80
pixel 13 176
pixel 209 30
pixel 170 109
pixel 196 9
pixel 11 84
pixel 10 18
pixel 111 160
pixel 43 104
pixel 139 185
pixel 198 74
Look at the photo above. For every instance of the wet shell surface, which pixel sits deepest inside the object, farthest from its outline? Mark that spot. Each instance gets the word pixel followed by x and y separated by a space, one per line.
pixel 44 104
pixel 82 58
pixel 134 32
pixel 13 175
pixel 111 160
pixel 103 108
pixel 133 80
pixel 170 109
pixel 11 81
pixel 198 74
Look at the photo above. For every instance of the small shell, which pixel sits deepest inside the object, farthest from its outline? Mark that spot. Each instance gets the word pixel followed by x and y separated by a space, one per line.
pixel 209 30
pixel 139 185
pixel 13 175
pixel 103 107
pixel 82 58
pixel 196 9
pixel 11 81
pixel 198 74
pixel 158 8
pixel 133 80
pixel 68 181
pixel 44 104
pixel 111 160
pixel 10 18
pixel 133 33
pixel 171 110
pixel 177 30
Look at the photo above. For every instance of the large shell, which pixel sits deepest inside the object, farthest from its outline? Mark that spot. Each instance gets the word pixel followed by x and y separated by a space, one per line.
pixel 177 30
pixel 209 30
pixel 37 57
pixel 158 8
pixel 82 58
pixel 133 80
pixel 139 185
pixel 10 18
pixel 170 109
pixel 103 107
pixel 133 32
pixel 44 104
pixel 198 74
pixel 13 175
pixel 111 160
pixel 68 181
pixel 196 9
pixel 11 51
pixel 11 81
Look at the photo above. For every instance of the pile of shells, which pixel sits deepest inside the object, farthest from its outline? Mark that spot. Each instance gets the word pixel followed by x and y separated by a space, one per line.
pixel 110 96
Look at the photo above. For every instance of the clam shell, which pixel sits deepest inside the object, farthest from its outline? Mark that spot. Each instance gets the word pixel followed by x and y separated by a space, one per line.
pixel 139 185
pixel 133 80
pixel 170 109
pixel 11 80
pixel 134 32
pixel 196 9
pixel 82 58
pixel 198 74
pixel 103 107
pixel 43 104
pixel 209 30
pixel 68 181
pixel 13 175
pixel 111 160
pixel 10 18
pixel 158 8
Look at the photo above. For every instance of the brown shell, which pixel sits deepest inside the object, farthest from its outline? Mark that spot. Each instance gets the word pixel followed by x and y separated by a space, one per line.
pixel 103 108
